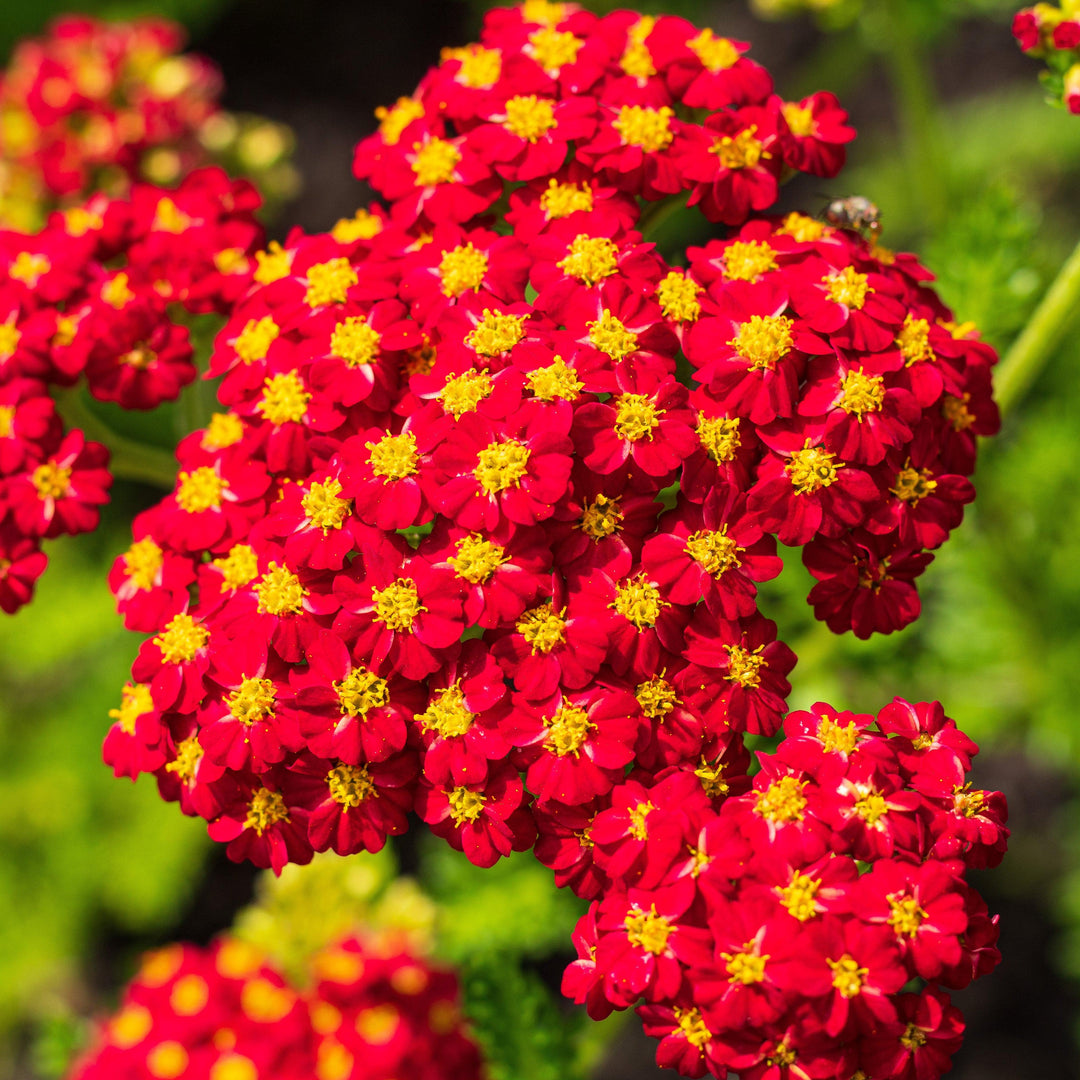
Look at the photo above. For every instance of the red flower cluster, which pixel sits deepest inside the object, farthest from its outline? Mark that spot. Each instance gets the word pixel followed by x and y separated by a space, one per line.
pixel 774 937
pixel 372 1010
pixel 1053 35
pixel 102 292
pixel 92 106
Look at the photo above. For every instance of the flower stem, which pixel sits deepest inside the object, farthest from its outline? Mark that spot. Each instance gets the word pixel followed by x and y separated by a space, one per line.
pixel 1052 319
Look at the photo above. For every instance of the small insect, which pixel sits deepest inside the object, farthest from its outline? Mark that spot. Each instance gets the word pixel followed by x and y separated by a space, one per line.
pixel 854 212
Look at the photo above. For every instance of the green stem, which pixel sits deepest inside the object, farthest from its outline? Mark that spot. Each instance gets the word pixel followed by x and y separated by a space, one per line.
pixel 129 460
pixel 1029 353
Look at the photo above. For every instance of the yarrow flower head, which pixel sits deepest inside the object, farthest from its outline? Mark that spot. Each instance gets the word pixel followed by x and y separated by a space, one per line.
pixel 1052 34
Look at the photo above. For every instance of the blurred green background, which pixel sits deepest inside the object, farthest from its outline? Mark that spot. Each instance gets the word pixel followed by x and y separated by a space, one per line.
pixel 971 169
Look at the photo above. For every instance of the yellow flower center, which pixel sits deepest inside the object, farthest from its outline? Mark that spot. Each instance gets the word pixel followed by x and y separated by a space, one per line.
pixel 637 61
pixel 254 699
pixel 501 465
pixel 480 68
pixel 115 291
pixel 871 807
pixel 186 762
pixel 837 738
pixel 783 801
pixel 650 129
pixel 476 559
pixel 447 714
pixel 848 977
pixel 636 417
pixel 266 809
pixel 393 457
pixel 656 697
pixel 956 411
pixel 355 341
pixel 239 568
pixel 678 296
pixel 462 269
pixel 323 507
pixel 905 915
pixel 280 592
pixel 799 119
pixel 781 1054
pixel 861 393
pixel 590 259
pixel 968 802
pixel 462 393
pixel 638 816
pixel 394 120
pixel 745 967
pixel 542 628
pixel 744 667
pixel 692 1027
pixel 712 778
pixel 224 430
pixel 914 341
pixel 543 11
pixel 51 481
pixel 284 400
pixel 398 605
pixel 230 261
pixel 140 358
pixel 361 691
pixel 135 700
pixel 647 930
pixel 170 218
pixel 847 287
pixel 435 162
pixel 611 337
pixel 496 333
pixel 350 785
pixel 200 490
pixel 601 518
pixel 142 562
pixel 329 282
pixel 181 639
pixel 562 200
pixel 748 260
pixel 719 435
pixel 715 53
pixel 554 49
pixel 273 264
pixel 811 469
pixel 800 896
pixel 29 268
pixel 10 336
pixel 802 228
pixel 638 601
pixel 465 805
pixel 529 117
pixel 78 221
pixel 557 380
pixel 361 226
pixel 913 1038
pixel 741 151
pixel 714 550
pixel 763 340
pixel 167 1061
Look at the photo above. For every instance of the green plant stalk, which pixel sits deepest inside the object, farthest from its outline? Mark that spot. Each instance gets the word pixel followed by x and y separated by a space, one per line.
pixel 129 460
pixel 1046 328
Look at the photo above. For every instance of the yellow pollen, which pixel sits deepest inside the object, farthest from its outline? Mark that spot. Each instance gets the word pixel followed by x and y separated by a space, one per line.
pixel 562 200
pixel 968 802
pixel 480 68
pixel 914 341
pixel 285 399
pixel 465 805
pixel 142 562
pixel 556 381
pixel 436 160
pixel 714 550
pixel 649 129
pixel 462 269
pixel 7 421
pixel 748 260
pixel 837 738
pixel 783 801
pixel 554 49
pixel 745 967
pixel 361 691
pixel 476 559
pixel 923 741
pixel 637 61
pixel 568 730
pixel 273 264
pixel 638 601
pixel 763 340
pixel 230 261
pixel 420 359
pixel 254 699
pixel 543 11
pixel 861 393
pixel 638 815
pixel 188 754
pixel 959 331
pixel 913 485
pixel 692 1027
pixel 610 336
pixel 847 287
pixel 715 53
pixel 872 807
pixel 496 333
pixel 956 411
pixel 329 282
pixel 647 930
pixel 135 700
pixel 799 119
pixel 323 507
pixel 355 341
pixel 656 697
pixel 905 915
pixel 913 1038
pixel 130 1026
pixel 29 268
pixel 501 465
pixel 462 393
pixel 79 221
pixel 224 430
pixel 181 639
pixel 719 435
pixel 848 977
pixel 239 568
pixel 712 779
pixel 884 255
pixel 66 330
pixel 167 1061
pixel 542 628
pixel 280 592
pixel 170 218
pixel 141 357
pixel 233 1067
pixel 394 120
pixel 744 667
pixel 802 228
pixel 636 417
pixel 266 808
pixel 800 896
pixel 602 517
pixel 362 226
pixel 115 291
pixel 811 469
pixel 590 259
pixel 447 713
pixel 350 785
pixel 393 457
pixel 781 1054
pixel 529 117
pixel 10 336
pixel 741 151
pixel 51 481
pixel 265 1003
pixel 398 605
pixel 678 296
